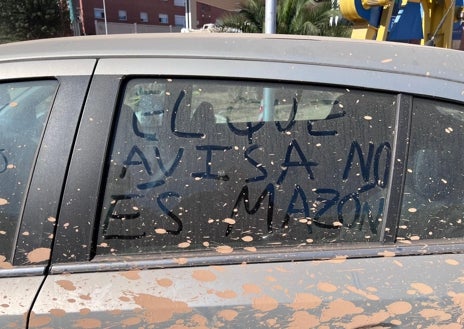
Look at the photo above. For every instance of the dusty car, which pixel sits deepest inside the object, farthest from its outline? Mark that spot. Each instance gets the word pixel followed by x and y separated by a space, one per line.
pixel 230 181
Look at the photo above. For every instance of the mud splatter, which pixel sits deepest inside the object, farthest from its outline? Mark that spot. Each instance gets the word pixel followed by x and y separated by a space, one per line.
pixel 387 253
pixel 159 309
pixel 56 312
pixel 66 285
pixel 265 303
pixel 199 321
pixel 131 275
pixel 228 315
pixel 219 268
pixel 87 323
pixel 366 321
pixel 251 289
pixel 360 292
pixel 447 326
pixel 230 221
pixel 398 263
pixel 271 278
pixel 271 322
pixel 183 245
pixel 39 255
pixel 226 294
pixel 204 276
pixel 452 262
pixel 4 264
pixel 326 287
pixel 181 261
pixel 224 249
pixel 305 301
pixel 398 308
pixel 336 260
pixel 131 321
pixel 115 312
pixel 435 314
pixel 422 288
pixel 458 299
pixel 84 311
pixel 37 321
pixel 339 308
pixel 124 299
pixel 161 231
pixel 302 319
pixel 247 238
pixel 165 282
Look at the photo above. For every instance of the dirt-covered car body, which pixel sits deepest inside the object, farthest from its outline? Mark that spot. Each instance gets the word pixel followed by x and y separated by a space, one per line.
pixel 230 181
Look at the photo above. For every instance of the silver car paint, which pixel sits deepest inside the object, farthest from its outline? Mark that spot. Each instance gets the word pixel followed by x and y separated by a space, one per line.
pixel 403 292
pixel 384 291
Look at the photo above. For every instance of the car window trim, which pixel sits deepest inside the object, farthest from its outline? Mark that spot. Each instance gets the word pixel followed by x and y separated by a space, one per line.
pixel 82 190
pixel 99 110
pixel 329 254
pixel 283 71
pixel 398 167
pixel 51 184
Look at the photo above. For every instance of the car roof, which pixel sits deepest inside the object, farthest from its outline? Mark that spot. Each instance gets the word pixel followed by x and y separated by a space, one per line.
pixel 338 52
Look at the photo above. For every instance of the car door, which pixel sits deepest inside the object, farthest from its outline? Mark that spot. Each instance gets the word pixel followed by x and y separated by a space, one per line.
pixel 39 110
pixel 231 193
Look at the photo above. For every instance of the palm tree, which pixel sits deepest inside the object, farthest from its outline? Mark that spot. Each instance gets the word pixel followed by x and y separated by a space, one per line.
pixel 293 17
pixel 250 19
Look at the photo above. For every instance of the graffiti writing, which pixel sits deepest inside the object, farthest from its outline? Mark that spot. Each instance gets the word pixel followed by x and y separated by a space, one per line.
pixel 266 172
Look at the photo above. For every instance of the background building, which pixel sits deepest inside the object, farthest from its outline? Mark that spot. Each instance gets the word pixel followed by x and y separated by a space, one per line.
pixel 141 16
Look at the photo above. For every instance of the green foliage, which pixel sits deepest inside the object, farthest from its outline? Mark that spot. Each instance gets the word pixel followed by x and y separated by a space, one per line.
pixel 250 19
pixel 33 19
pixel 292 17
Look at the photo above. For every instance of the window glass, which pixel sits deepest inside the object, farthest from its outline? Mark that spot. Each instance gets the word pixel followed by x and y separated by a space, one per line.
pixel 179 20
pixel 433 205
pixel 24 108
pixel 218 165
pixel 163 18
pixel 122 15
pixel 144 17
pixel 99 13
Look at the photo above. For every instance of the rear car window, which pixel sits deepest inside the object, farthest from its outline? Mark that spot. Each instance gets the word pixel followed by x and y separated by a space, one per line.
pixel 434 191
pixel 215 165
pixel 24 109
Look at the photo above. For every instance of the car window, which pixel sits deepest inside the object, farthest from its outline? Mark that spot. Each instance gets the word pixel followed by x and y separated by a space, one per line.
pixel 239 165
pixel 24 108
pixel 433 205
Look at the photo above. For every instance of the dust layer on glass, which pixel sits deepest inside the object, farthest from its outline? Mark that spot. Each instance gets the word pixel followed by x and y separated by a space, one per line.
pixel 24 109
pixel 433 200
pixel 237 165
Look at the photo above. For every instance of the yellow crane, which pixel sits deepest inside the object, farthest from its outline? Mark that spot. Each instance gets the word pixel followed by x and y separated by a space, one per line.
pixel 428 22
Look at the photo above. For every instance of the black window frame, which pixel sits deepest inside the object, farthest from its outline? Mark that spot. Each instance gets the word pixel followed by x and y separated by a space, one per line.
pixel 74 249
pixel 108 89
pixel 39 212
pixel 415 129
pixel 238 81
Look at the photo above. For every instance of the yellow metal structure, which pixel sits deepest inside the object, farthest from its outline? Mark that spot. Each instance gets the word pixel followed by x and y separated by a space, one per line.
pixel 362 29
pixel 437 19
pixel 438 13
